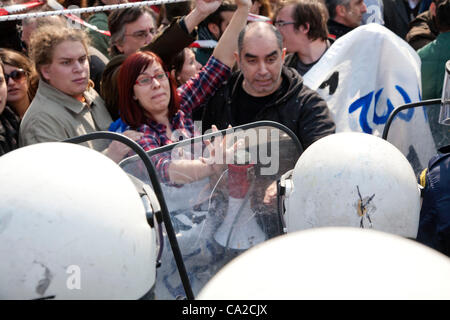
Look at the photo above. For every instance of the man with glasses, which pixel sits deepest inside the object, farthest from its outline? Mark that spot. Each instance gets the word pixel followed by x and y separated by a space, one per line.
pixel 131 29
pixel 303 24
pixel 345 15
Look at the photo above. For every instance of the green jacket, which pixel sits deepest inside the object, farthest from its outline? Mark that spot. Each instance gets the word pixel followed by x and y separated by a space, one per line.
pixel 434 56
pixel 55 116
pixel 100 41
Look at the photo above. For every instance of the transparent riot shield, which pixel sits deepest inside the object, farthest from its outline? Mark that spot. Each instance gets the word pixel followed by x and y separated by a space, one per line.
pixel 427 140
pixel 220 190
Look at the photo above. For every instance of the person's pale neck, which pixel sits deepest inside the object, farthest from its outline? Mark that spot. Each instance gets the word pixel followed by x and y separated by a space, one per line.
pixel 313 52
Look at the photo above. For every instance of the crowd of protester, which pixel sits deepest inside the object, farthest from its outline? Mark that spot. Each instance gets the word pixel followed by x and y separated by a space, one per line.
pixel 144 80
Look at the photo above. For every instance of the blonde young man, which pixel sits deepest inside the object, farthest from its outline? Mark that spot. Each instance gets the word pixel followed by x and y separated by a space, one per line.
pixel 65 104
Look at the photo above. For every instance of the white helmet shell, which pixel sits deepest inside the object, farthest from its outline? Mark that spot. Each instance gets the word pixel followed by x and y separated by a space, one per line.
pixel 72 226
pixel 354 180
pixel 333 263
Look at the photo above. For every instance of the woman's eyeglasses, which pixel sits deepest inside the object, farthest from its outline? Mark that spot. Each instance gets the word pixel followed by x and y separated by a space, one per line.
pixel 16 75
pixel 147 80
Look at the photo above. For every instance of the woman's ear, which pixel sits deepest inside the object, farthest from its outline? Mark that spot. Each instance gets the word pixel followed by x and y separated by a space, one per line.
pixel 174 75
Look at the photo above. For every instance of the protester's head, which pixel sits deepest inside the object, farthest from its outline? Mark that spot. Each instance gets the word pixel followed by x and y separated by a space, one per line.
pixel 29 25
pixel 347 12
pixel 131 29
pixel 184 66
pixel 260 58
pixel 443 15
pixel 61 58
pixel 218 21
pixel 21 77
pixel 170 11
pixel 262 8
pixel 297 19
pixel 3 89
pixel 146 89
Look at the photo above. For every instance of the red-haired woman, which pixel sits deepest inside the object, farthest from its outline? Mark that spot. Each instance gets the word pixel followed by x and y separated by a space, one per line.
pixel 150 102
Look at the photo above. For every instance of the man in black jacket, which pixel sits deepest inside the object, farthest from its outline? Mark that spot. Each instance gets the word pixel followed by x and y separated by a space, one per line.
pixel 345 15
pixel 264 89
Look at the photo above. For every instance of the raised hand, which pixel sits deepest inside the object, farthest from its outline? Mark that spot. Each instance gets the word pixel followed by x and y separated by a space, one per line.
pixel 202 9
pixel 118 150
pixel 206 7
pixel 222 152
pixel 243 3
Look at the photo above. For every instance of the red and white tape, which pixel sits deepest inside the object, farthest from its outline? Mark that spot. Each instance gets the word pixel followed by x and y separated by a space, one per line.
pixel 78 11
pixel 203 44
pixel 15 8
pixel 8 13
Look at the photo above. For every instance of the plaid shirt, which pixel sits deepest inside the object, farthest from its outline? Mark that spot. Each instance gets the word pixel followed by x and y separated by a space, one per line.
pixel 193 94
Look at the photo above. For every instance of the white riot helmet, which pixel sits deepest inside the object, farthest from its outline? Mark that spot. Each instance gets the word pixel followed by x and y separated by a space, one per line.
pixel 355 180
pixel 72 226
pixel 333 263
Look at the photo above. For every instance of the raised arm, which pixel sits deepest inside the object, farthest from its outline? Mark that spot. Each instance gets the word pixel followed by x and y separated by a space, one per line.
pixel 179 34
pixel 227 45
pixel 203 8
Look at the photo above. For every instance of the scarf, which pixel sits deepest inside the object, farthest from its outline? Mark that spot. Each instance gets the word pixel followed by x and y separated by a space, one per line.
pixel 9 131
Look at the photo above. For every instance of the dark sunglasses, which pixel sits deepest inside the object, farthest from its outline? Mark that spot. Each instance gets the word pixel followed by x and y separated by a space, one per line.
pixel 16 75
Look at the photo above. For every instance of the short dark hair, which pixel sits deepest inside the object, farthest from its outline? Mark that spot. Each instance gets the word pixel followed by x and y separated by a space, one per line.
pixel 332 4
pixel 443 15
pixel 216 16
pixel 177 63
pixel 312 12
pixel 276 32
pixel 168 12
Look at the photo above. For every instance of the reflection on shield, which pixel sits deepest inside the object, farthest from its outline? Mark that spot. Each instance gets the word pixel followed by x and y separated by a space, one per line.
pixel 217 218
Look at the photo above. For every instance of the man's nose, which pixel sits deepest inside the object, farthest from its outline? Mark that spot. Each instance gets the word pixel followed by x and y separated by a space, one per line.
pixel 262 68
pixel 148 38
pixel 363 8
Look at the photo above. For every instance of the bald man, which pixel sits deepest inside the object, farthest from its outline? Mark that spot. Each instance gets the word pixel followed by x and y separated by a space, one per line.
pixel 264 89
